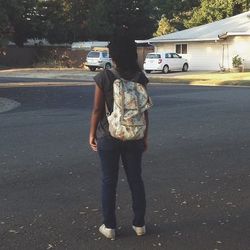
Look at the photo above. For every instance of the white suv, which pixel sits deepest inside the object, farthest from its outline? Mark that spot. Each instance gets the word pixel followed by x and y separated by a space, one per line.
pixel 98 59
pixel 165 62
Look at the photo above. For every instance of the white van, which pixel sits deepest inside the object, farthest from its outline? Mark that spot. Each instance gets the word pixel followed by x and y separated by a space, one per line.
pixel 165 62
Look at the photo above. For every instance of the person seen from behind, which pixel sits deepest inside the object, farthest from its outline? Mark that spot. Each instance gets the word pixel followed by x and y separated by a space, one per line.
pixel 123 52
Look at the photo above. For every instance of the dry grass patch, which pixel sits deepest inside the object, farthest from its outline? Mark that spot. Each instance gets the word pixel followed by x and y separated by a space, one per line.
pixel 205 78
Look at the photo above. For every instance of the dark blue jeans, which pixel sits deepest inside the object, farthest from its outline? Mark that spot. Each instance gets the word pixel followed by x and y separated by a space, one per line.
pixel 110 151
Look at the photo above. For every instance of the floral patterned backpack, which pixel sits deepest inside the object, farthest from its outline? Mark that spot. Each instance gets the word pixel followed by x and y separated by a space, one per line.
pixel 131 100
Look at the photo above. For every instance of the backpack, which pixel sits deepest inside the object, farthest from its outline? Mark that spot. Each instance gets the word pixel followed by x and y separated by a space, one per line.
pixel 131 100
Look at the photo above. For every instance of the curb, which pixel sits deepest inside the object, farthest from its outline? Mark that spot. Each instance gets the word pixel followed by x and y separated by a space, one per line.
pixel 45 84
pixel 201 82
pixel 39 69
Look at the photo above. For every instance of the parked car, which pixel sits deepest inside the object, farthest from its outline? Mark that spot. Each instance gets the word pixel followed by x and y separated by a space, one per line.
pixel 165 62
pixel 98 59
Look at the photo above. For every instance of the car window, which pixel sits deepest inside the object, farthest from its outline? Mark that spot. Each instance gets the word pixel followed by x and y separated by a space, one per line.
pixel 105 54
pixel 175 55
pixel 153 56
pixel 93 54
pixel 167 55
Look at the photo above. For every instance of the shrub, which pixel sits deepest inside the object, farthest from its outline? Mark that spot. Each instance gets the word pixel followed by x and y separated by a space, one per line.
pixel 237 61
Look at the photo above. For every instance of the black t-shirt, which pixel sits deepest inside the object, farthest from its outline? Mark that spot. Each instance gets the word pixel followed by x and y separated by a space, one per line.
pixel 105 80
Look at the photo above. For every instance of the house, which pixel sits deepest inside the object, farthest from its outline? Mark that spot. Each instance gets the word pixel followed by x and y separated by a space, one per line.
pixel 211 46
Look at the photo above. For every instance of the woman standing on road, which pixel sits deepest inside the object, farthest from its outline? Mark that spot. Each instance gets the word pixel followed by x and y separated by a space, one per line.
pixel 123 52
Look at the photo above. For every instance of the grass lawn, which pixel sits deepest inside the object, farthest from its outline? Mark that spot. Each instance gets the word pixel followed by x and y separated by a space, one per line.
pixel 204 78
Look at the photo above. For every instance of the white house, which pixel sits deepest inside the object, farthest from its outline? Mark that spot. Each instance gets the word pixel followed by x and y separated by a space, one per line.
pixel 211 46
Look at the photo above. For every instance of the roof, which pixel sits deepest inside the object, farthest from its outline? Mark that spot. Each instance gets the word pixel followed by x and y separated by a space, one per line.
pixel 235 25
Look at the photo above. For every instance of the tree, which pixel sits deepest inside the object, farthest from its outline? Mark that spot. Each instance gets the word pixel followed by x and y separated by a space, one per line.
pixel 53 18
pixel 164 27
pixel 171 8
pixel 136 16
pixel 100 28
pixel 175 11
pixel 113 14
pixel 211 11
pixel 64 20
pixel 79 12
pixel 5 28
pixel 20 15
pixel 241 6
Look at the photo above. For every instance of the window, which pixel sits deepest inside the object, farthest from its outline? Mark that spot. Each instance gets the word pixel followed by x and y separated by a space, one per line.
pixel 93 54
pixel 181 48
pixel 153 56
pixel 184 48
pixel 175 55
pixel 105 54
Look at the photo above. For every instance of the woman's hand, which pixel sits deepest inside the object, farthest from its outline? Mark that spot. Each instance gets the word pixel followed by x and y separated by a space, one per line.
pixel 92 143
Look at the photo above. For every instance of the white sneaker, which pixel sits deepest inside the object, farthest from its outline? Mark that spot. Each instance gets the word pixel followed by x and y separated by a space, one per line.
pixel 107 232
pixel 139 230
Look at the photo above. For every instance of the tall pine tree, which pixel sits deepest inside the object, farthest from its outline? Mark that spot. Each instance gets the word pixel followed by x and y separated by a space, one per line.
pixel 108 16
pixel 5 27
pixel 175 12
pixel 64 20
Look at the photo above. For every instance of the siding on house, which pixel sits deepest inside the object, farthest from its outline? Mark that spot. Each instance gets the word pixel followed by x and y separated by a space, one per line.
pixel 205 56
pixel 241 46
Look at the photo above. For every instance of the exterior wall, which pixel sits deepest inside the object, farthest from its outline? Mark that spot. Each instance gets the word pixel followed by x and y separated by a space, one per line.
pixel 241 46
pixel 213 55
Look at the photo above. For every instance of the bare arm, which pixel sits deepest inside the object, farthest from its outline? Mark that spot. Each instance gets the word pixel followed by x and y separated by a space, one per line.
pixel 98 109
pixel 146 131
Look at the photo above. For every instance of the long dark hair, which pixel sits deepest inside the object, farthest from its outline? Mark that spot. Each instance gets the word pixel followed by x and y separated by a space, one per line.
pixel 123 52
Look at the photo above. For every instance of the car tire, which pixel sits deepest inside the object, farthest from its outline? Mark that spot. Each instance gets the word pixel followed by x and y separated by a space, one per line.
pixel 185 67
pixel 165 69
pixel 92 68
pixel 107 66
pixel 148 71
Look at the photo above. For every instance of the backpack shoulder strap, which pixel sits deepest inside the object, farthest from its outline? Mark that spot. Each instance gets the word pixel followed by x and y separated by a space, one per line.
pixel 134 79
pixel 115 73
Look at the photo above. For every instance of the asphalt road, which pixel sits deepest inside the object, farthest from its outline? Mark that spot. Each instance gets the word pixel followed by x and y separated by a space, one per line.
pixel 196 172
